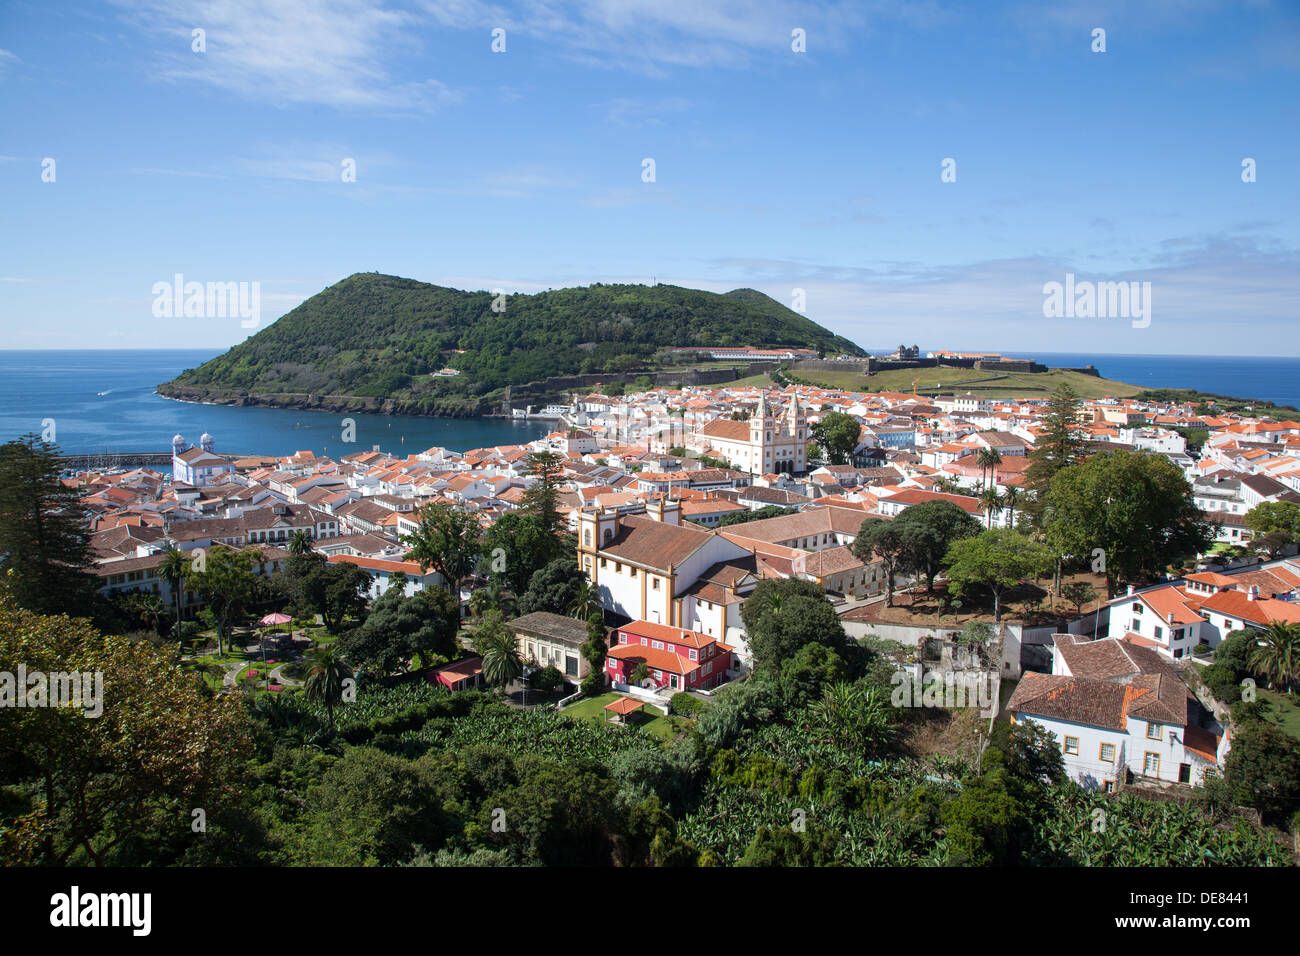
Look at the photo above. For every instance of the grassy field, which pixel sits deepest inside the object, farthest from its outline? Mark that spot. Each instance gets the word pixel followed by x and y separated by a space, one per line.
pixel 946 381
pixel 1284 711
pixel 593 709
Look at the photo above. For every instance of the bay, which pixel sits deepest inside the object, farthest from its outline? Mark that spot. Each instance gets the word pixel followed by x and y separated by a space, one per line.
pixel 103 401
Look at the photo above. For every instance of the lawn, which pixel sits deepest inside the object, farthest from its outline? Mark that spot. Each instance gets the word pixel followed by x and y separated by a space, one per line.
pixel 593 709
pixel 1283 710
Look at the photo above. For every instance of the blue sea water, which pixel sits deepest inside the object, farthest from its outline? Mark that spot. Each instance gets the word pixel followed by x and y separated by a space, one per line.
pixel 1266 378
pixel 104 401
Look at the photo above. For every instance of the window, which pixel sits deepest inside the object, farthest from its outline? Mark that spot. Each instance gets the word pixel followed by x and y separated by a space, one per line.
pixel 656 583
pixel 1107 754
pixel 1211 772
pixel 1108 786
pixel 657 645
pixel 631 571
pixel 1072 745
pixel 1153 731
pixel 1160 633
pixel 571 665
pixel 1137 607
pixel 695 655
pixel 1151 765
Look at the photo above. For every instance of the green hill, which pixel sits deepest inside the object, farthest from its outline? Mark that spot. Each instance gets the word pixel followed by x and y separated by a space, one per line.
pixel 381 337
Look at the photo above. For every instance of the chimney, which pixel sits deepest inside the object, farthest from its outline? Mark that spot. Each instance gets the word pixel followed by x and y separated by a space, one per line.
pixel 1171 617
pixel 1253 593
pixel 1130 589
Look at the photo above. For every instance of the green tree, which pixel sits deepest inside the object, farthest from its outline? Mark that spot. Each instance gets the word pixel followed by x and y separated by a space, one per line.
pixel 988 459
pixel 43 538
pixel 172 570
pixel 1263 770
pixel 519 544
pixel 999 559
pixel 224 578
pixel 1136 506
pixel 594 650
pixel 928 530
pixel 400 627
pixel 447 540
pixel 554 587
pixel 783 846
pixel 499 649
pixel 1079 593
pixel 878 539
pixel 991 501
pixel 85 785
pixel 1276 655
pixel 781 616
pixel 1280 518
pixel 541 499
pixel 1059 446
pixel 367 809
pixel 838 435
pixel 326 681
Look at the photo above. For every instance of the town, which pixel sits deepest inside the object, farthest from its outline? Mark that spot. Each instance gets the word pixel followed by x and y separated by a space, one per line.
pixel 635 569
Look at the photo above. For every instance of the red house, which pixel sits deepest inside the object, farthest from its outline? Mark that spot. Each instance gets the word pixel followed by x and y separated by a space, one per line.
pixel 459 675
pixel 676 659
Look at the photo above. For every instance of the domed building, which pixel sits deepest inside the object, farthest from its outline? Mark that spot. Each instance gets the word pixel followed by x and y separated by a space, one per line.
pixel 197 466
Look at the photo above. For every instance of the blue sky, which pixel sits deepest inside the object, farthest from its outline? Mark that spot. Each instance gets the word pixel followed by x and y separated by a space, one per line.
pixel 774 169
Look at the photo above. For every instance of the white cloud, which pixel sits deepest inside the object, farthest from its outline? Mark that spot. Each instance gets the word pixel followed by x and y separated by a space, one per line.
pixel 294 51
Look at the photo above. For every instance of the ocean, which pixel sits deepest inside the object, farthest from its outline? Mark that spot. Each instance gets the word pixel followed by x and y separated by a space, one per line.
pixel 104 401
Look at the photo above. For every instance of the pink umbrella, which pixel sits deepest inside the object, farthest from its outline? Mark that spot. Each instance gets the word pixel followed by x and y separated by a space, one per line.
pixel 274 619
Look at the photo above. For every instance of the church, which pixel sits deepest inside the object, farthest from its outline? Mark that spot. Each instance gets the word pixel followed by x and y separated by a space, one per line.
pixel 766 444
pixel 197 466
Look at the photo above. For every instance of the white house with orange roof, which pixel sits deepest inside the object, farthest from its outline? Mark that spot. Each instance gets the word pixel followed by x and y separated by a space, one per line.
pixel 1166 619
pixel 1119 712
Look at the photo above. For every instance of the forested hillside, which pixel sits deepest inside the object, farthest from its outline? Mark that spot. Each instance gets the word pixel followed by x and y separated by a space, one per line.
pixel 381 336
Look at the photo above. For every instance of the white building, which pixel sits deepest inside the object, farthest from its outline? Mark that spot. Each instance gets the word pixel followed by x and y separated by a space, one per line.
pixel 1120 712
pixel 198 466
pixel 764 445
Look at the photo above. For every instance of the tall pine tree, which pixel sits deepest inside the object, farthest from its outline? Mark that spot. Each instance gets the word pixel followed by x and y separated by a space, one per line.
pixel 44 536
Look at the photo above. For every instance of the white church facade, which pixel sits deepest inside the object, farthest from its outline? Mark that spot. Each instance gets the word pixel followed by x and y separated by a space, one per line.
pixel 766 444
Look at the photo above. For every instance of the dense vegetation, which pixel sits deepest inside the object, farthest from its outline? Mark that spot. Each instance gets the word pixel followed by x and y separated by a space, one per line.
pixel 374 335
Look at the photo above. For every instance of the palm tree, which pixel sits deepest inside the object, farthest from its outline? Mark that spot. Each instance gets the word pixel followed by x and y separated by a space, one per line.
pixel 988 458
pixel 300 543
pixel 585 601
pixel 991 499
pixel 479 601
pixel 172 570
pixel 326 680
pixel 1277 654
pixel 1011 498
pixel 501 660
pixel 148 607
pixel 501 599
